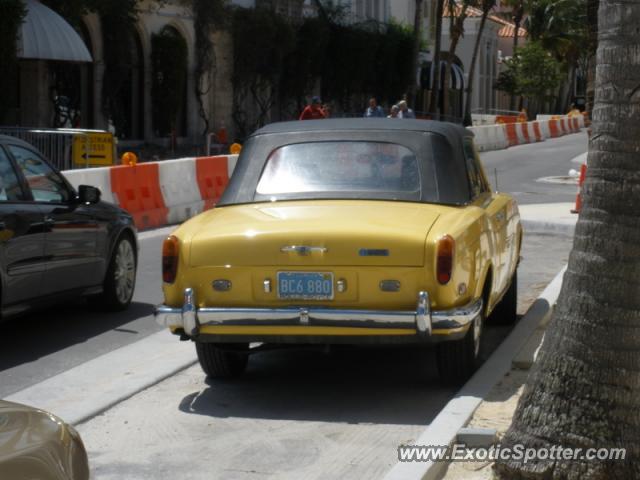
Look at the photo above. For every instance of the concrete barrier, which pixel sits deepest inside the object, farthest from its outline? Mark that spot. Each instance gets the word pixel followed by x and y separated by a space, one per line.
pixel 160 193
pixel 172 191
pixel 490 137
pixel 98 177
pixel 177 178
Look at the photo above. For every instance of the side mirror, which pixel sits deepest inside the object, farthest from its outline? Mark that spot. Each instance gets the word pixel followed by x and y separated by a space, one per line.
pixel 88 194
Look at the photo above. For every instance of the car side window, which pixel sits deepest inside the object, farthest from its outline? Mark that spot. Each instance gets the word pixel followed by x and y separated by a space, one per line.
pixel 45 184
pixel 476 179
pixel 10 190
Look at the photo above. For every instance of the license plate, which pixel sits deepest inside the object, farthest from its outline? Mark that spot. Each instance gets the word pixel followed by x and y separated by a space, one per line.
pixel 305 285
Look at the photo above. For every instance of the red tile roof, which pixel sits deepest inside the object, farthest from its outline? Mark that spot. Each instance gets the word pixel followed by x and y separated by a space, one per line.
pixel 507 30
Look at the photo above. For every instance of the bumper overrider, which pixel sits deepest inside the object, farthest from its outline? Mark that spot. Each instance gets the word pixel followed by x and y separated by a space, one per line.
pixel 428 325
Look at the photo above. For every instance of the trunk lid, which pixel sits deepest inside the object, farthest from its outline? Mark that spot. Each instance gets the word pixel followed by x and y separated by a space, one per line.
pixel 322 233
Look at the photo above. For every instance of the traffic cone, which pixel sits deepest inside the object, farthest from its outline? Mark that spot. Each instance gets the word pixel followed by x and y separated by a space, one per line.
pixel 583 174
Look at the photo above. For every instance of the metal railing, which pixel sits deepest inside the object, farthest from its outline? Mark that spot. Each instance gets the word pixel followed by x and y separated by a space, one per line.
pixel 494 111
pixel 55 145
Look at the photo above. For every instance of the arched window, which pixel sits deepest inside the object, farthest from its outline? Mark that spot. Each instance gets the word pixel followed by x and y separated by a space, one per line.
pixel 123 86
pixel 169 87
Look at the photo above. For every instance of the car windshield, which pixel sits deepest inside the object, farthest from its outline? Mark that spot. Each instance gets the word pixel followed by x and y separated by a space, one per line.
pixel 373 169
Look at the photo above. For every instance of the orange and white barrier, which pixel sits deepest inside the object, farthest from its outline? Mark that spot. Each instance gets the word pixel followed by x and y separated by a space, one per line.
pixel 172 191
pixel 583 175
pixel 504 135
pixel 161 193
pixel 490 137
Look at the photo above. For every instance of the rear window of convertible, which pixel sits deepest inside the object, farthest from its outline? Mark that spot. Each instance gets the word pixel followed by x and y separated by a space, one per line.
pixel 367 168
pixel 364 170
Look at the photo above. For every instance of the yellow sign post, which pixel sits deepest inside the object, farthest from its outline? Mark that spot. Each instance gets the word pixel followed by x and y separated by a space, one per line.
pixel 100 149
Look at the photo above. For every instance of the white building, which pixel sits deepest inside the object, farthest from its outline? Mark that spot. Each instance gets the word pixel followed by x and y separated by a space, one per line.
pixel 496 34
pixel 365 10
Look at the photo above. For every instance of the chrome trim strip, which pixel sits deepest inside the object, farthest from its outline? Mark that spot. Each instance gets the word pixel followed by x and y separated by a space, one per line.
pixel 422 319
pixel 303 249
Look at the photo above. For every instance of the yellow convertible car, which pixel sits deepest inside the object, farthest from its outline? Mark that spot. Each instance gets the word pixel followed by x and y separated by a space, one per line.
pixel 353 231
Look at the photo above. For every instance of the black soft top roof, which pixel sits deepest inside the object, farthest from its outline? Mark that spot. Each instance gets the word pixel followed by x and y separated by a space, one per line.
pixel 438 147
pixel 450 130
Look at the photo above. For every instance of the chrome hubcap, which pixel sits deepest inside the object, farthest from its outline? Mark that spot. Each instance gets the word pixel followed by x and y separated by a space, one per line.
pixel 125 271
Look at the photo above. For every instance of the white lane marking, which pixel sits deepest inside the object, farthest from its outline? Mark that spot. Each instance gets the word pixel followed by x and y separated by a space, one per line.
pixel 89 389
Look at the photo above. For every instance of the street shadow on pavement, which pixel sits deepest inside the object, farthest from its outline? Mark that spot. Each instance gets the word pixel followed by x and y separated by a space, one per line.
pixel 26 338
pixel 350 385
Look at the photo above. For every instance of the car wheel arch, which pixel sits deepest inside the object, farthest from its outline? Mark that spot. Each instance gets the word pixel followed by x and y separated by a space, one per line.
pixel 124 232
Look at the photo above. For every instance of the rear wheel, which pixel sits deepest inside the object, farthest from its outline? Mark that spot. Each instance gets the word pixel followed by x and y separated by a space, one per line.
pixel 506 312
pixel 223 360
pixel 457 360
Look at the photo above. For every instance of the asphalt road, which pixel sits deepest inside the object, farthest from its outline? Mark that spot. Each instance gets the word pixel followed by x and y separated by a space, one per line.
pixel 43 344
pixel 520 169
pixel 296 413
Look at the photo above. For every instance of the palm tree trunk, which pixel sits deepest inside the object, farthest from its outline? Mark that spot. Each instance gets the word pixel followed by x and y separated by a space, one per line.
pixel 518 14
pixel 572 87
pixel 455 33
pixel 453 45
pixel 417 40
pixel 472 69
pixel 434 108
pixel 584 389
pixel 592 20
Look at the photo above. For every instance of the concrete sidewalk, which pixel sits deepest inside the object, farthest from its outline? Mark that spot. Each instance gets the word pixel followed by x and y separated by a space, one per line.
pixel 549 218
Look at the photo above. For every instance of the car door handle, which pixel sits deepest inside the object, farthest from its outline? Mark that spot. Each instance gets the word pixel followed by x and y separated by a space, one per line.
pixel 48 220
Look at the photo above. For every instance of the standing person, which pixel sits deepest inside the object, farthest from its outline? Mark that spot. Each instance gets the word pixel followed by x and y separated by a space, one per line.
pixel 313 111
pixel 394 112
pixel 573 111
pixel 374 110
pixel 405 111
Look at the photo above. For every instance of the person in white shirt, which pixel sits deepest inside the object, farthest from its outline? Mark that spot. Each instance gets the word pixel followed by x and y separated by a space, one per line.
pixel 405 111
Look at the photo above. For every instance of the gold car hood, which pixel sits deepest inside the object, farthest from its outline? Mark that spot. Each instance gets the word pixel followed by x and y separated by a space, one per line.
pixel 36 444
pixel 313 233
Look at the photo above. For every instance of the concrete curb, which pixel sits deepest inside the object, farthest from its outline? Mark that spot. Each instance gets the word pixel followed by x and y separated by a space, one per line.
pixel 457 413
pixel 91 388
pixel 550 227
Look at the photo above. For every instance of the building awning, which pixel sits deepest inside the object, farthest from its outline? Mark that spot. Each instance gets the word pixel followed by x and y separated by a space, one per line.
pixel 456 81
pixel 45 35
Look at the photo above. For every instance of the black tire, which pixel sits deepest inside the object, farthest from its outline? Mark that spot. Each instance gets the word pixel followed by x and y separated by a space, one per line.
pixel 120 280
pixel 223 361
pixel 506 312
pixel 457 360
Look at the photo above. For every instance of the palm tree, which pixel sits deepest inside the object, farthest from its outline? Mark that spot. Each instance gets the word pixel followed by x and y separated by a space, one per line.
pixel 592 32
pixel 518 9
pixel 456 30
pixel 417 40
pixel 584 389
pixel 434 102
pixel 487 6
pixel 561 27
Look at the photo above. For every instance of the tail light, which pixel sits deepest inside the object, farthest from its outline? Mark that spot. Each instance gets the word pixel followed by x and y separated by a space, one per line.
pixel 169 259
pixel 444 263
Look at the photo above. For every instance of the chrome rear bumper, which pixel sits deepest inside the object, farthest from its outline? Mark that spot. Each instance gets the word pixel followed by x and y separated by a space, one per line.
pixel 423 319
